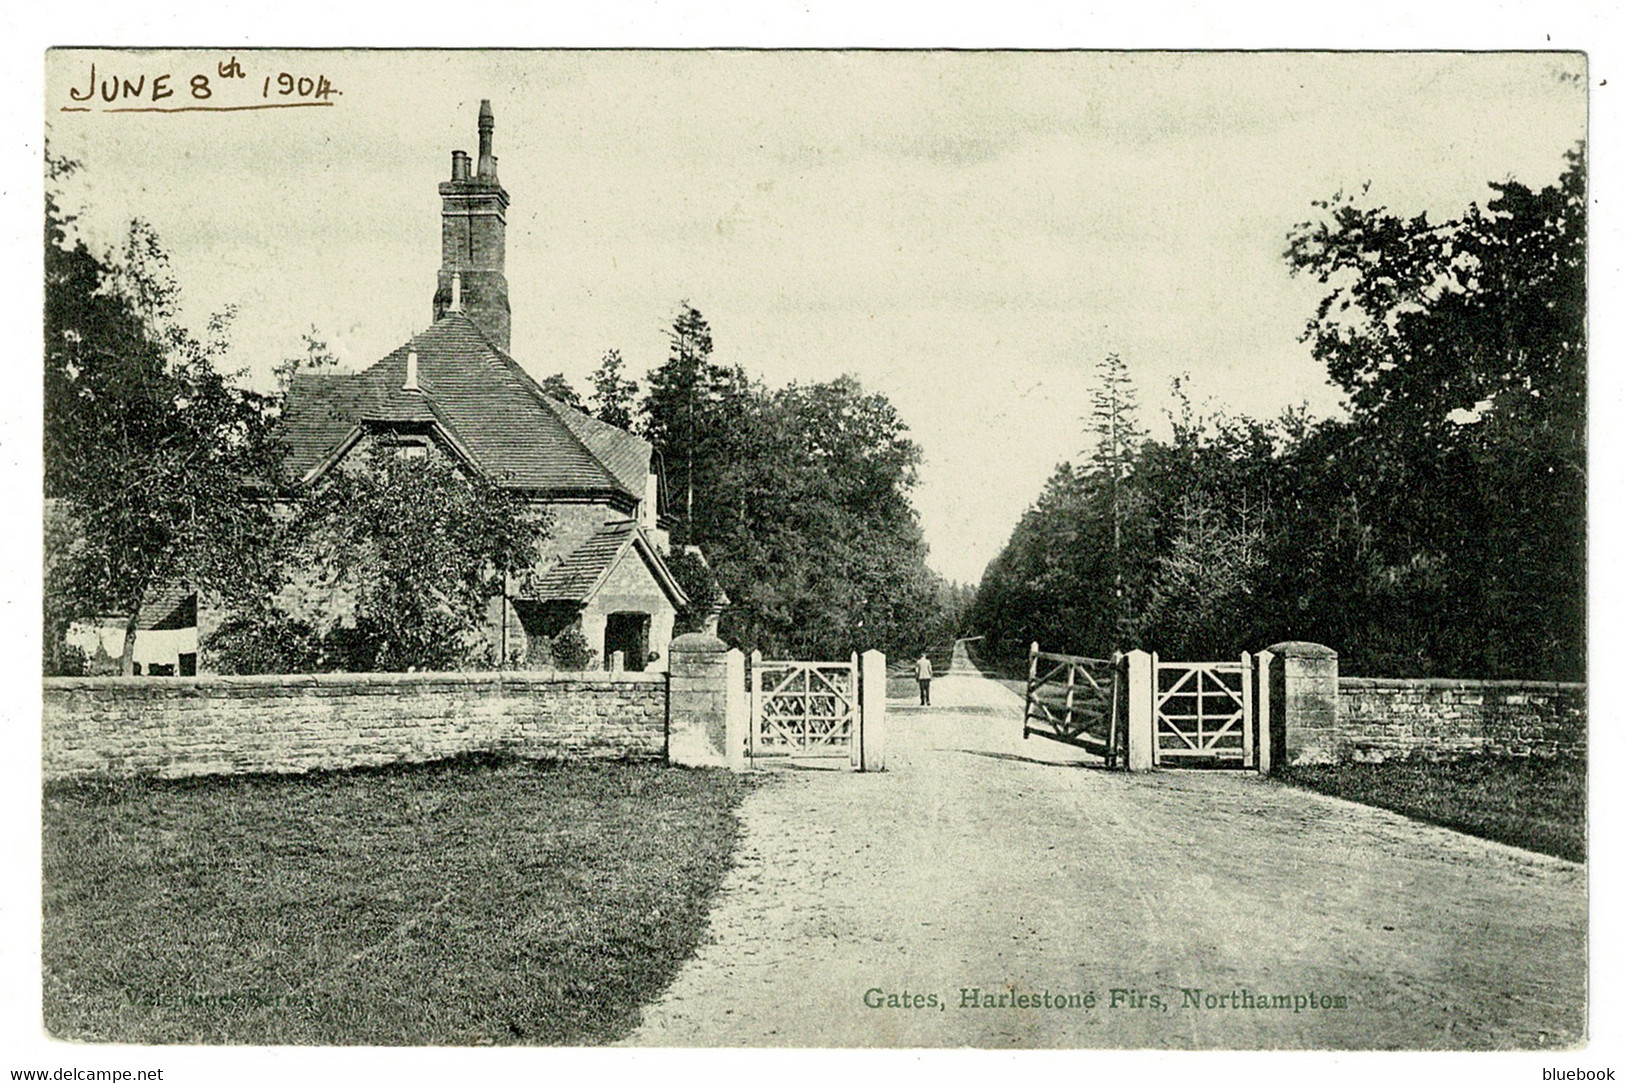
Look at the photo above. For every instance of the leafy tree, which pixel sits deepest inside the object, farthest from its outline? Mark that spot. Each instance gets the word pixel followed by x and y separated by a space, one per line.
pixel 814 537
pixel 1462 347
pixel 799 498
pixel 152 455
pixel 613 396
pixel 558 387
pixel 415 550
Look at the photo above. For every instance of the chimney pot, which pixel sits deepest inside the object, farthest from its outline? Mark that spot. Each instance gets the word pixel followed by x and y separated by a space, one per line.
pixel 411 383
pixel 456 293
pixel 487 167
pixel 459 165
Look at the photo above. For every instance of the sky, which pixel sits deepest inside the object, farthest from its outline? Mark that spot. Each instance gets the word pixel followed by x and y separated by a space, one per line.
pixel 968 233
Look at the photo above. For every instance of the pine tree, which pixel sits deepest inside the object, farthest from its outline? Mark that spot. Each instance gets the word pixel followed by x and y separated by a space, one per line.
pixel 1114 421
pixel 612 394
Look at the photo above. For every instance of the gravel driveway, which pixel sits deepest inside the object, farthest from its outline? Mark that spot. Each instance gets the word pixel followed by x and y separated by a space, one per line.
pixel 990 892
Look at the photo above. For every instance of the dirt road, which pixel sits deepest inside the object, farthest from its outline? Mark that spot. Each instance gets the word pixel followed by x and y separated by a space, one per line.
pixel 995 884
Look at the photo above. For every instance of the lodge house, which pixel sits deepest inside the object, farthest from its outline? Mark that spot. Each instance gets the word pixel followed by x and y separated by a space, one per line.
pixel 454 391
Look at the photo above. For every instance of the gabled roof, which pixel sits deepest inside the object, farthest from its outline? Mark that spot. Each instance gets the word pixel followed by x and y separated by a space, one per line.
pixel 578 576
pixel 481 400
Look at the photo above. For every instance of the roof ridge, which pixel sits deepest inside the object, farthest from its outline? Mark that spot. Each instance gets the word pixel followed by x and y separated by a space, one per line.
pixel 484 403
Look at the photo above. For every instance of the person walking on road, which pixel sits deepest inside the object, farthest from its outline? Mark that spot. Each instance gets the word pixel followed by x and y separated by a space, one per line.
pixel 922 673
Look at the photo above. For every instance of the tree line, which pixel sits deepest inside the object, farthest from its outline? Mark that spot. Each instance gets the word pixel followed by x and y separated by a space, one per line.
pixel 1439 529
pixel 798 496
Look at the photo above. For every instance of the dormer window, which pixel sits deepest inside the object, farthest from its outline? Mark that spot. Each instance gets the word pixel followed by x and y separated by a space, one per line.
pixel 411 447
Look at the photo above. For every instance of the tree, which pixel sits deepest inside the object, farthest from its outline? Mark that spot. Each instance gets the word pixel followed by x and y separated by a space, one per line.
pixel 1205 583
pixel 557 387
pixel 317 358
pixel 155 462
pixel 1117 438
pixel 799 498
pixel 613 396
pixel 1075 573
pixel 415 550
pixel 1462 347
pixel 694 414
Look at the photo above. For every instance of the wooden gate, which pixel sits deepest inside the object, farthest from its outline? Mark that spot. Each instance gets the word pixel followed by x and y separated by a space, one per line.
pixel 1203 713
pixel 1077 701
pixel 805 710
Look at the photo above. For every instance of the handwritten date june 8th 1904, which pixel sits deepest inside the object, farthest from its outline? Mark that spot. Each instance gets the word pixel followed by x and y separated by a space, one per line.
pixel 228 86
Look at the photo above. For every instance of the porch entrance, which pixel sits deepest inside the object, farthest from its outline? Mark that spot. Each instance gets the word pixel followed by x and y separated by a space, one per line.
pixel 629 634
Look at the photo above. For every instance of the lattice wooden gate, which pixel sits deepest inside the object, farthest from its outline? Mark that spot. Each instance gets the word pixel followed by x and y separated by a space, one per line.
pixel 805 710
pixel 1203 713
pixel 1077 701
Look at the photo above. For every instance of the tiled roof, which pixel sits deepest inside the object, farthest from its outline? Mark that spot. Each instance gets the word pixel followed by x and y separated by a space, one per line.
pixel 320 413
pixel 574 578
pixel 486 404
pixel 577 577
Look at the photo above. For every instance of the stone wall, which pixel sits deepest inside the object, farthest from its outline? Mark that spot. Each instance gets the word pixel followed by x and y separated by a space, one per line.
pixel 172 727
pixel 1382 719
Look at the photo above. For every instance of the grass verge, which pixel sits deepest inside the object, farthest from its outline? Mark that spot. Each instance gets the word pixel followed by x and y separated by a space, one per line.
pixel 1537 804
pixel 477 901
pixel 902 689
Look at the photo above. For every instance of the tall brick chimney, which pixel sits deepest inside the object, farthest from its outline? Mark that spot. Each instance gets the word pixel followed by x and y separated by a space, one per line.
pixel 473 237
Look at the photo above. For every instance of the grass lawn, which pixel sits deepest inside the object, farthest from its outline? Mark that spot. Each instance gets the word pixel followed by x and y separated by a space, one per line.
pixel 1533 803
pixel 469 902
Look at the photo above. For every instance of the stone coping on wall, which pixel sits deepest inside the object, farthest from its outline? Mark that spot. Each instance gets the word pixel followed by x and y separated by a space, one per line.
pixel 1355 683
pixel 203 682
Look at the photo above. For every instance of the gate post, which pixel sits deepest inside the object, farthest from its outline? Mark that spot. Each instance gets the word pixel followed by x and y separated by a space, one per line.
pixel 1142 730
pixel 1247 717
pixel 1265 761
pixel 1307 703
pixel 1032 682
pixel 872 712
pixel 857 712
pixel 738 716
pixel 697 687
pixel 754 722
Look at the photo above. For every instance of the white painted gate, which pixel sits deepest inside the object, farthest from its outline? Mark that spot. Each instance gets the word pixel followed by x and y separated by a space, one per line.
pixel 1203 713
pixel 815 710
